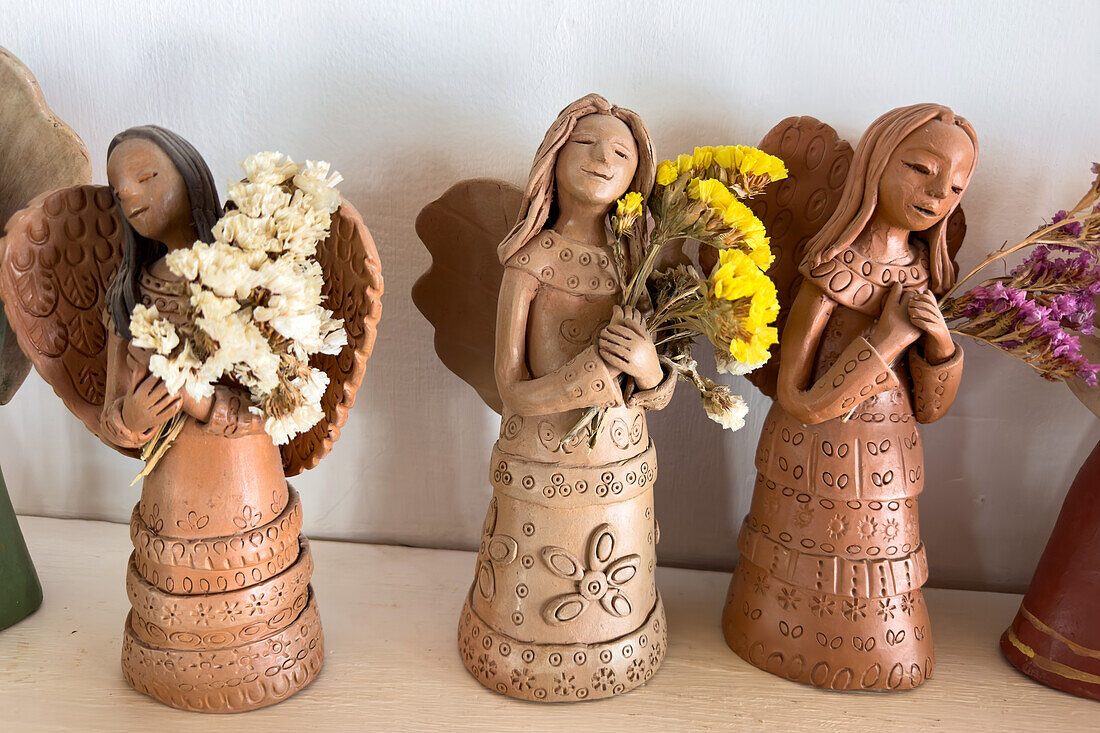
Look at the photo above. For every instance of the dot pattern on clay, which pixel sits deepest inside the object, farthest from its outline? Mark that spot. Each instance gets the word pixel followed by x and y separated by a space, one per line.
pixel 547 484
pixel 561 672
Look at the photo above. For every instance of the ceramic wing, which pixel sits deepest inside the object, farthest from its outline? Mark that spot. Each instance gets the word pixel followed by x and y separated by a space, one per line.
pixel 794 209
pixel 38 153
pixel 58 257
pixel 458 294
pixel 353 291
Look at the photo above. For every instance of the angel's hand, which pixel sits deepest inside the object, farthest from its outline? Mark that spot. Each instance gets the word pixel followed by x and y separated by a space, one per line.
pixel 925 314
pixel 199 409
pixel 894 332
pixel 149 404
pixel 230 416
pixel 626 345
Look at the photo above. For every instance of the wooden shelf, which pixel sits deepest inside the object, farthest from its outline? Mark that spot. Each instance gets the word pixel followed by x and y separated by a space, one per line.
pixel 390 616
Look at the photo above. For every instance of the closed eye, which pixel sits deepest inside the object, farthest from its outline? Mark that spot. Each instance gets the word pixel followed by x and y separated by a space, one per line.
pixel 146 176
pixel 621 154
pixel 920 168
pixel 956 190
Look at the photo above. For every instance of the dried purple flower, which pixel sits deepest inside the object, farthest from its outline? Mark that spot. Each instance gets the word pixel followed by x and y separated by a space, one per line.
pixel 1089 373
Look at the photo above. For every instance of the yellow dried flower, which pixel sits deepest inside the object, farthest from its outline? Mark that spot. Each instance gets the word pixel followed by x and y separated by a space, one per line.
pixel 667 173
pixel 684 163
pixel 751 161
pixel 725 156
pixel 630 205
pixel 711 192
pixel 762 255
pixel 755 350
pixel 736 276
pixel 702 158
pixel 627 211
pixel 738 216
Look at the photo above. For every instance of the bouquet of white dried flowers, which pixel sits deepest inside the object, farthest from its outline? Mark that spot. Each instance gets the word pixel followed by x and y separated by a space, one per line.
pixel 255 313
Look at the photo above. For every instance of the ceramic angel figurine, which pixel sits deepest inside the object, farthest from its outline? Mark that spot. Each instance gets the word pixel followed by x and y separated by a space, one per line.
pixel 828 587
pixel 223 618
pixel 38 153
pixel 563 605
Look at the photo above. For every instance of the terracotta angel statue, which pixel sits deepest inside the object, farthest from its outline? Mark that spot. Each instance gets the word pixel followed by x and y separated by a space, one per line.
pixel 828 587
pixel 1055 638
pixel 523 294
pixel 223 618
pixel 38 153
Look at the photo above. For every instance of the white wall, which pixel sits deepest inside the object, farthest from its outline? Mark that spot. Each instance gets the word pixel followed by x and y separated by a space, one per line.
pixel 407 97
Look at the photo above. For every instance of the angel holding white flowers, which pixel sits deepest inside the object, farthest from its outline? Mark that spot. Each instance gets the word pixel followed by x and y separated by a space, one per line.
pixel 213 338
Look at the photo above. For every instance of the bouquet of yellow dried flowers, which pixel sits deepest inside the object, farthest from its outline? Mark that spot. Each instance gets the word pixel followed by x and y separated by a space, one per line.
pixel 700 197
pixel 256 314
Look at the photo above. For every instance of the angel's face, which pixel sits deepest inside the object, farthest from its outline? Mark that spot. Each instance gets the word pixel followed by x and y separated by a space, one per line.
pixel 597 163
pixel 925 176
pixel 152 192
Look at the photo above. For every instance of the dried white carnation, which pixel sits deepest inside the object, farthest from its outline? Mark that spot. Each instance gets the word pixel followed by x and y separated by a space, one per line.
pixel 256 297
pixel 181 370
pixel 269 167
pixel 314 179
pixel 728 365
pixel 149 331
pixel 728 410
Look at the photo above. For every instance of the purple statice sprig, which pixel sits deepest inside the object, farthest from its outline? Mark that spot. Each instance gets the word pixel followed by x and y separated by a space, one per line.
pixel 1039 311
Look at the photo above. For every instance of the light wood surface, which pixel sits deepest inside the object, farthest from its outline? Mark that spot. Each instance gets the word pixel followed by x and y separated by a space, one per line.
pixel 390 615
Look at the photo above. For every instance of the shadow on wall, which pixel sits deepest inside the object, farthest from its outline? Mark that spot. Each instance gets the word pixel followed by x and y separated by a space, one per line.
pixel 706 477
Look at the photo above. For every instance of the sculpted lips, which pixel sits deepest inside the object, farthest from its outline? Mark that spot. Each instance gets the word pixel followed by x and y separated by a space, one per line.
pixel 138 210
pixel 597 174
pixel 923 210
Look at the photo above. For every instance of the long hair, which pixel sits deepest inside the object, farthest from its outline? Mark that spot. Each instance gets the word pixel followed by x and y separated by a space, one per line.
pixel 860 196
pixel 138 251
pixel 538 208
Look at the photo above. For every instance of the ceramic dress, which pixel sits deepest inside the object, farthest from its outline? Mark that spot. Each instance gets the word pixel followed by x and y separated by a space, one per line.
pixel 564 604
pixel 827 590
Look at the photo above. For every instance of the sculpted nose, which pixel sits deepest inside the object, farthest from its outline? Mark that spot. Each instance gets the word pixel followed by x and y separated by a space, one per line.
pixel 938 188
pixel 601 152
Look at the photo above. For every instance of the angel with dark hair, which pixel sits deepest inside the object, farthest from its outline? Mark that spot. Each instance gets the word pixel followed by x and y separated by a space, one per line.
pixel 223 617
pixel 827 590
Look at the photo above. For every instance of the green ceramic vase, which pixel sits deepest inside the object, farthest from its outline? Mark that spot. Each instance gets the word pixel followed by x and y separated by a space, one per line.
pixel 20 591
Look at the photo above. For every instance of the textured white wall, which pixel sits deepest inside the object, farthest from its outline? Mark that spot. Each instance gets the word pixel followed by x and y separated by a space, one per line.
pixel 407 97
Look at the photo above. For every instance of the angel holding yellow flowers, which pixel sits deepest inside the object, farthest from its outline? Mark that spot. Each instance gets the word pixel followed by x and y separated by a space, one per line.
pixel 564 330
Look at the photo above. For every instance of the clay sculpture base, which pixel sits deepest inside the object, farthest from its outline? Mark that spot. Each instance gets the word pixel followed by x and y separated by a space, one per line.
pixel 222 624
pixel 561 672
pixel 757 629
pixel 1055 637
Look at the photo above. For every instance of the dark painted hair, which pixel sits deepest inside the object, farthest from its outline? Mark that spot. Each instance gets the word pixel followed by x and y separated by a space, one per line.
pixel 137 251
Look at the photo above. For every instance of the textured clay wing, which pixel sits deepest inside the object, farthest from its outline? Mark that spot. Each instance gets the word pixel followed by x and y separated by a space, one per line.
pixel 353 291
pixel 59 256
pixel 458 294
pixel 38 153
pixel 794 209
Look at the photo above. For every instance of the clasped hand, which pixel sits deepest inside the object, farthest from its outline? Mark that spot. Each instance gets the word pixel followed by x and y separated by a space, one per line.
pixel 906 316
pixel 148 403
pixel 627 347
